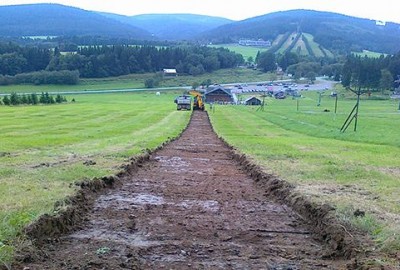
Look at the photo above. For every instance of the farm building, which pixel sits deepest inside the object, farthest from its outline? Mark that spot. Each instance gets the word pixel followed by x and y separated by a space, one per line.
pixel 170 72
pixel 252 101
pixel 218 94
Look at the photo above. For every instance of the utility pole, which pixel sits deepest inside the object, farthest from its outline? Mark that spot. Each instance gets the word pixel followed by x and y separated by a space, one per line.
pixel 261 108
pixel 353 114
pixel 336 99
pixel 357 106
pixel 319 98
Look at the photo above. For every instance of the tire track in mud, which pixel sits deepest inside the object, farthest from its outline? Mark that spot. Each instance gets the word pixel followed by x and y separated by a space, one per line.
pixel 191 206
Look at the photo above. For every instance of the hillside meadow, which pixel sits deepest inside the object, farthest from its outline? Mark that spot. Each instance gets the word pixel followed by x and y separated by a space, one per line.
pixel 43 149
pixel 46 148
pixel 245 51
pixel 302 143
pixel 136 81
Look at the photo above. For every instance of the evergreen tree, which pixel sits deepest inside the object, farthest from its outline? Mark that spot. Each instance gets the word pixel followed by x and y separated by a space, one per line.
pixel 6 100
pixel 47 98
pixel 42 98
pixel 29 99
pixel 24 99
pixel 386 81
pixel 34 99
pixel 14 99
pixel 59 98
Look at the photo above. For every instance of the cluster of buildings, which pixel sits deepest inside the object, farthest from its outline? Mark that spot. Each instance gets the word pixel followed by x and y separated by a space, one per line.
pixel 255 43
pixel 218 94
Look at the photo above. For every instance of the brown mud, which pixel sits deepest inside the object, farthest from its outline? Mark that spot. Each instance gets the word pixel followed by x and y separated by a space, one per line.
pixel 193 204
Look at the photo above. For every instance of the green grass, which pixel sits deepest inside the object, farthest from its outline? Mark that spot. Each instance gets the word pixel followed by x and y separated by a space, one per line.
pixel 43 149
pixel 136 81
pixel 287 43
pixel 369 54
pixel 246 51
pixel 300 47
pixel 315 46
pixel 352 170
pixel 252 51
pixel 122 82
pixel 224 76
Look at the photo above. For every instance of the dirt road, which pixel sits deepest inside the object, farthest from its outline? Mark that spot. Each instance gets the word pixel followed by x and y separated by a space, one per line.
pixel 189 207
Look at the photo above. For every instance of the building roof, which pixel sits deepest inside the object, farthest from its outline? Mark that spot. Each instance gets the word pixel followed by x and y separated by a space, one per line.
pixel 218 87
pixel 250 98
pixel 169 70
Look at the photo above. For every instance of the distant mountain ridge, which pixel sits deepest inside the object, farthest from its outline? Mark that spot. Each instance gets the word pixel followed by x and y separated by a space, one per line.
pixel 330 32
pixel 334 31
pixel 60 20
pixel 172 26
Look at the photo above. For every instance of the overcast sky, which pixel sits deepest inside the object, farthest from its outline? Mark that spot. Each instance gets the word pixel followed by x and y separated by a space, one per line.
pixel 383 10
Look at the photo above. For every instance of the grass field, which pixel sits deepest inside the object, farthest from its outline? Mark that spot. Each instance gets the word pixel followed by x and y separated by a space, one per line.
pixel 43 149
pixel 122 82
pixel 352 170
pixel 314 46
pixel 369 54
pixel 246 51
pixel 136 81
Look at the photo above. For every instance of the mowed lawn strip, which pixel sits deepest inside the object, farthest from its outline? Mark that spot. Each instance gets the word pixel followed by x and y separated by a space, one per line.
pixel 136 81
pixel 352 170
pixel 43 149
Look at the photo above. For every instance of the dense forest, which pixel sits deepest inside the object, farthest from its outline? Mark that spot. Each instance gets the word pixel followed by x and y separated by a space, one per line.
pixel 25 64
pixel 35 65
pixel 104 61
pixel 371 73
pixel 368 73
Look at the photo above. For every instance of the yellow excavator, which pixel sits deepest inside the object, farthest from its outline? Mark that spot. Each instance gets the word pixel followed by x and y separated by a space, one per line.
pixel 198 103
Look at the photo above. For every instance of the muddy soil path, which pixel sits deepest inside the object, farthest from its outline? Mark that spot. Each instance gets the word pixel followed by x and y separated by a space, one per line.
pixel 189 207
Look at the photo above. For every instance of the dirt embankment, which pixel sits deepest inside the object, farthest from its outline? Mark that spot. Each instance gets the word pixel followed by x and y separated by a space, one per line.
pixel 194 204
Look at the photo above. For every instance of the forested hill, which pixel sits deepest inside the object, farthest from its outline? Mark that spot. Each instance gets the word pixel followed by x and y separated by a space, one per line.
pixel 172 26
pixel 333 32
pixel 336 32
pixel 59 20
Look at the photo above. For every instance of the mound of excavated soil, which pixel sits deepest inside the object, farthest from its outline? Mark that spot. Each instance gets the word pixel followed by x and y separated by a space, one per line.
pixel 194 204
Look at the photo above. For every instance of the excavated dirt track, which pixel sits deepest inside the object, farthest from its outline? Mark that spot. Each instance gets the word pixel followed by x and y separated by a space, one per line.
pixel 190 206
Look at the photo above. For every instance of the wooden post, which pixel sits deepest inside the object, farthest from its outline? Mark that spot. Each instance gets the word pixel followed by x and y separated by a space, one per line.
pixel 336 98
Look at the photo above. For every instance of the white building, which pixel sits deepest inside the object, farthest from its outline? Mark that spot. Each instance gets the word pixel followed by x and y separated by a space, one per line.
pixel 255 43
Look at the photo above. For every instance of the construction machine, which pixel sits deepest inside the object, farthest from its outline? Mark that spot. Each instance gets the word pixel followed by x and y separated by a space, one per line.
pixel 198 103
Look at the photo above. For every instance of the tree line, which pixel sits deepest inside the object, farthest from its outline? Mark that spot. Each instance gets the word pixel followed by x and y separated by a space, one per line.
pixel 369 73
pixel 105 61
pixel 48 66
pixel 32 99
pixel 42 77
pixel 15 59
pixel 372 74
